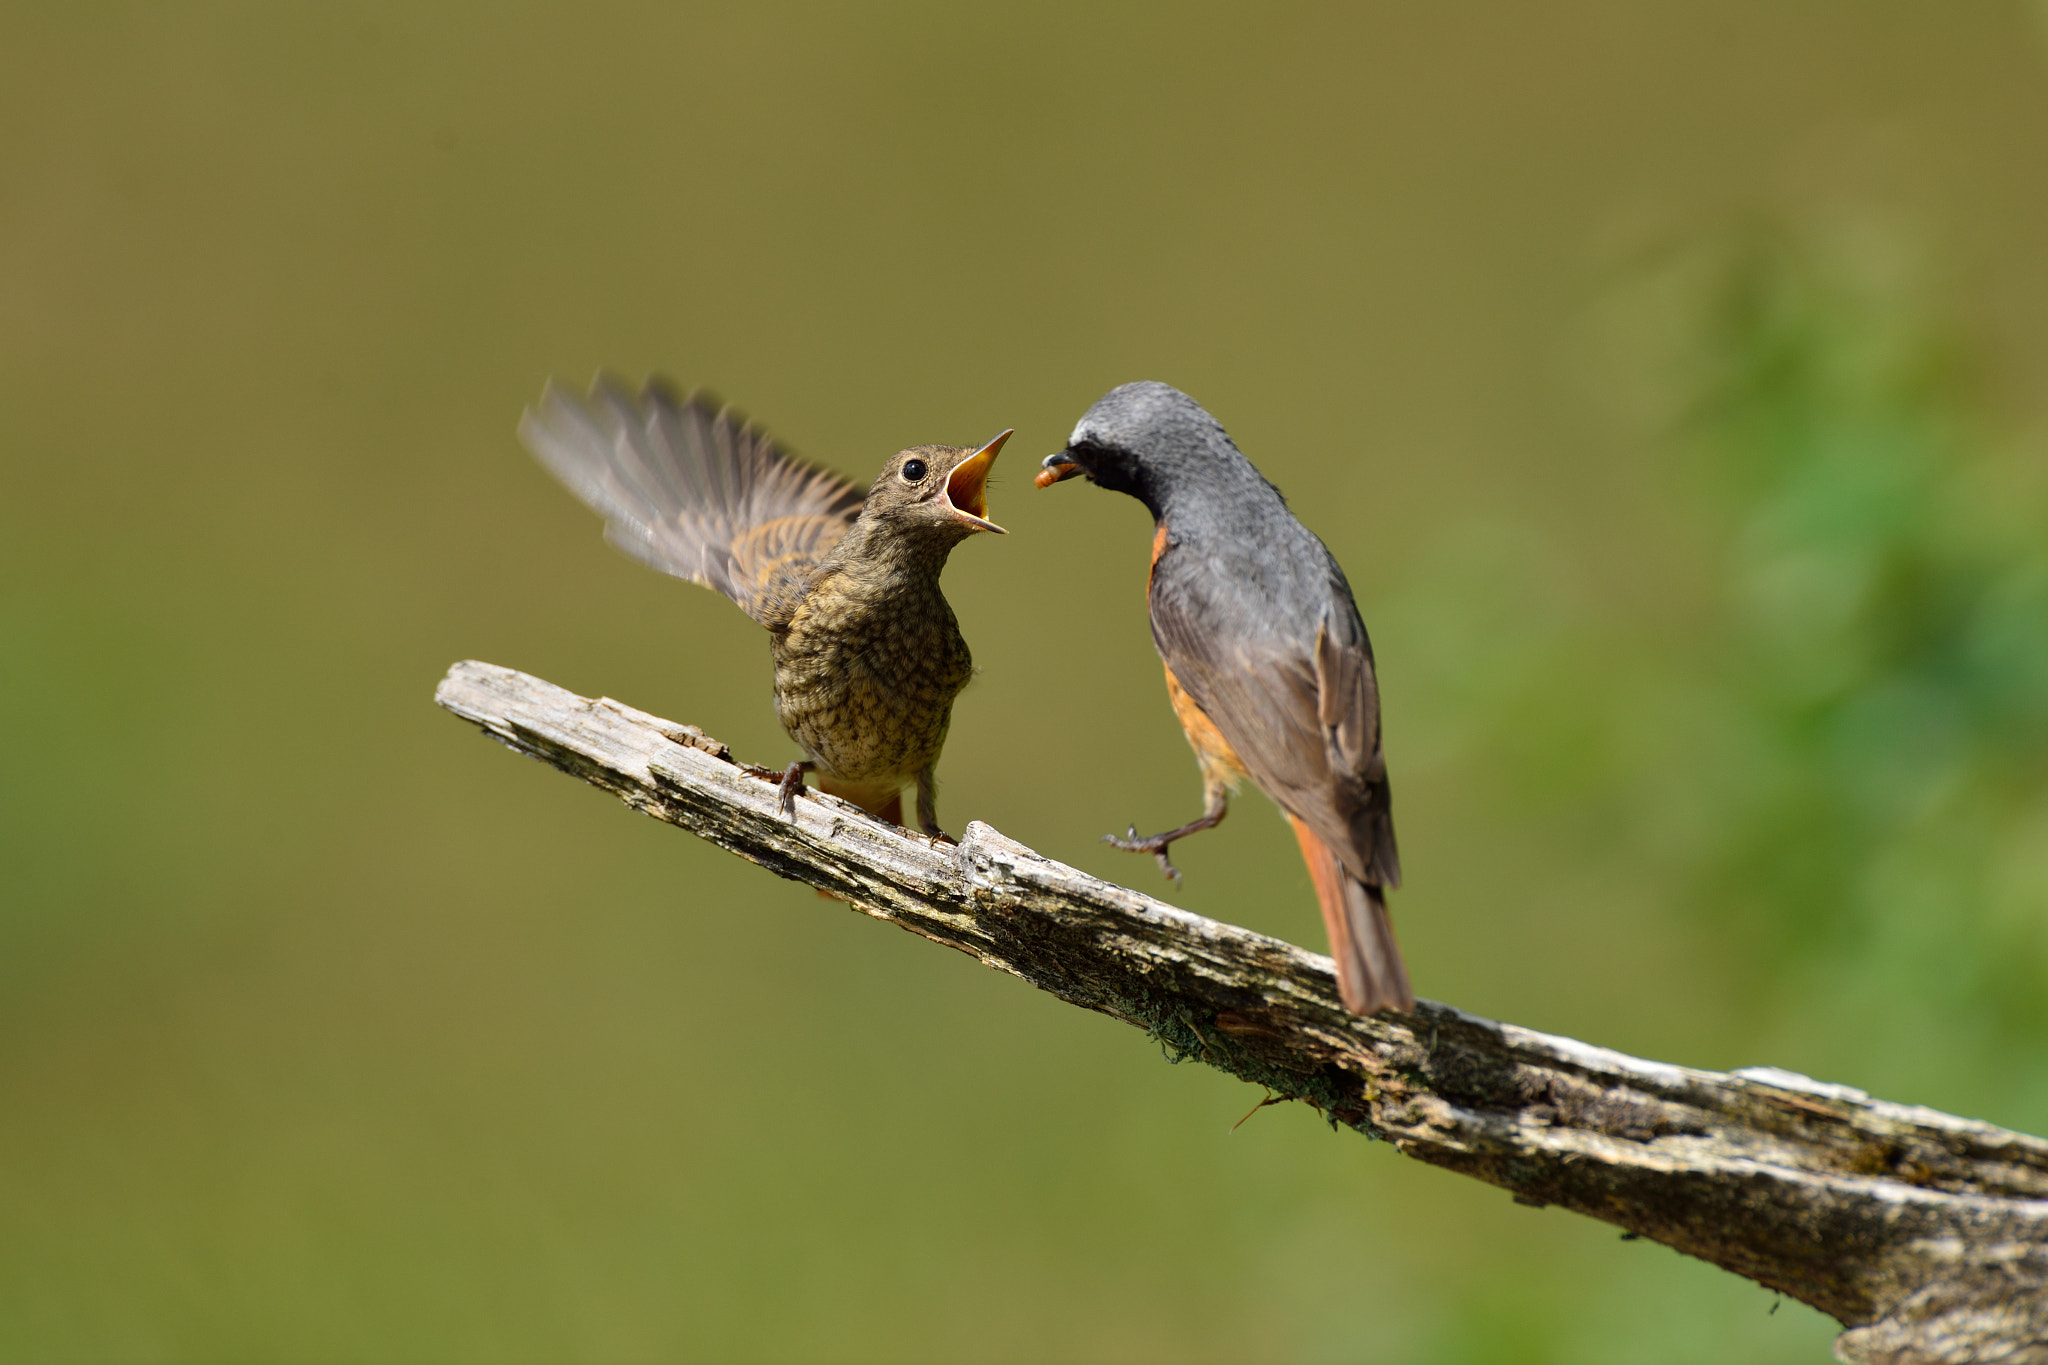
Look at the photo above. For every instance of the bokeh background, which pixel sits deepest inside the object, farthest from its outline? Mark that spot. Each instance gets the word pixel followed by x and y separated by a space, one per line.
pixel 1668 379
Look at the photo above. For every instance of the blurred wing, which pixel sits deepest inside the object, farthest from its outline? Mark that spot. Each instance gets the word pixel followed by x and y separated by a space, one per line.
pixel 687 488
pixel 1303 715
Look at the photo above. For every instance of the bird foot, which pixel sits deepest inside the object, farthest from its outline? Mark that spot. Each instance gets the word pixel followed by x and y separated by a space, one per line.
pixel 792 783
pixel 935 836
pixel 1154 844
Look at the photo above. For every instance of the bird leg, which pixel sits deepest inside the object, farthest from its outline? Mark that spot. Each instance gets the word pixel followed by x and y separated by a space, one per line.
pixel 792 783
pixel 928 805
pixel 1157 844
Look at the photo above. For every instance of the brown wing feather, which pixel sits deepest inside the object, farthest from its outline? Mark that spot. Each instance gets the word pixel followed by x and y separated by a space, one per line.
pixel 1302 714
pixel 690 489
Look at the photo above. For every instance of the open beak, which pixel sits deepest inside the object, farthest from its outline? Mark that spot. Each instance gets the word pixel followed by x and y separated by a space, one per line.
pixel 967 487
pixel 1057 466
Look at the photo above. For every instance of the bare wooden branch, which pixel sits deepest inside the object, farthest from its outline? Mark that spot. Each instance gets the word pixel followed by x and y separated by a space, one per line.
pixel 1924 1234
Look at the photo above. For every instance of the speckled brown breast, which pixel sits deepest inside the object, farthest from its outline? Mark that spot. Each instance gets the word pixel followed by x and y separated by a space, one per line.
pixel 866 673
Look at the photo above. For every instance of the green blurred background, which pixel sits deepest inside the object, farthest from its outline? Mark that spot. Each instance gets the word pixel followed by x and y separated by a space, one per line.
pixel 1668 380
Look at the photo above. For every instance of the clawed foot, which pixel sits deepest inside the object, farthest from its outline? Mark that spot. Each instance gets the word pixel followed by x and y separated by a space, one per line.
pixel 1156 845
pixel 792 783
pixel 935 836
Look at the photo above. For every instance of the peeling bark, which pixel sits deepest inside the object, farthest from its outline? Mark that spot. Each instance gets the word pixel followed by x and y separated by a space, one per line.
pixel 1925 1235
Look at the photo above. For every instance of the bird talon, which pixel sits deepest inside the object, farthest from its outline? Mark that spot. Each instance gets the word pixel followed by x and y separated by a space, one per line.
pixel 1156 845
pixel 792 783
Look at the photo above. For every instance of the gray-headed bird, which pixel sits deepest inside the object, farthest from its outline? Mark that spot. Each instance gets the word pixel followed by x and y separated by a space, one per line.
pixel 1267 663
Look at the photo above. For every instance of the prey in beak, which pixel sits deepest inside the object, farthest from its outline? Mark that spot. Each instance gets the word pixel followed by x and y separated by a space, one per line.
pixel 967 487
pixel 1057 466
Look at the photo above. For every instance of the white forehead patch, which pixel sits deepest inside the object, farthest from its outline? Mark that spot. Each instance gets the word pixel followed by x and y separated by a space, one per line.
pixel 1081 433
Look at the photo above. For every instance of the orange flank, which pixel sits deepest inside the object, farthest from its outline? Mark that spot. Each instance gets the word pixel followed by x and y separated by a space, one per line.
pixel 1221 767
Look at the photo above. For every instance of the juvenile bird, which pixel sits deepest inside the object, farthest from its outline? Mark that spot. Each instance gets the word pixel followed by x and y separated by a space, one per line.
pixel 1267 663
pixel 868 655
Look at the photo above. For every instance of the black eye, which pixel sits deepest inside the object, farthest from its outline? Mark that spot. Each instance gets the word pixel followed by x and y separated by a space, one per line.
pixel 913 471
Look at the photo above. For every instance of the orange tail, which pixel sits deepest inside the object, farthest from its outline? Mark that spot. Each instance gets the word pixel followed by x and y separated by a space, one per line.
pixel 1370 974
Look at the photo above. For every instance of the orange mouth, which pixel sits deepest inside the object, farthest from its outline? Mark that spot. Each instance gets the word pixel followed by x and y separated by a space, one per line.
pixel 967 486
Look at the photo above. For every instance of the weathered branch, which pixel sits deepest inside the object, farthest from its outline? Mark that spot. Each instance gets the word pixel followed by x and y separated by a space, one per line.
pixel 1924 1234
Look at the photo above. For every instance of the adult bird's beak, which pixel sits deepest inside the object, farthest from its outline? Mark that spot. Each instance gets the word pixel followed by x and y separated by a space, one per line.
pixel 967 487
pixel 1058 465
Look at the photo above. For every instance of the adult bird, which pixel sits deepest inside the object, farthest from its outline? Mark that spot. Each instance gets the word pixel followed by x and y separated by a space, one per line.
pixel 868 654
pixel 1267 663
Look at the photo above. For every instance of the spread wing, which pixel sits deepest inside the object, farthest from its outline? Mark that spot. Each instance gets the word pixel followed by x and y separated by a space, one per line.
pixel 1296 696
pixel 688 488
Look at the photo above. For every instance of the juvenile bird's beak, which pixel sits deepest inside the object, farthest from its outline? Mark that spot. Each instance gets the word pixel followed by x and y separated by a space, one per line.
pixel 967 487
pixel 1058 465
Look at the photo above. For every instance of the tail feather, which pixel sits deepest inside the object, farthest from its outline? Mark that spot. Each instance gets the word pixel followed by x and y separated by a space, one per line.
pixel 1370 973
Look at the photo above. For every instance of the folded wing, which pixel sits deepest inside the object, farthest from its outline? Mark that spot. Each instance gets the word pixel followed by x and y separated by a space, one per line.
pixel 1295 696
pixel 1298 700
pixel 687 487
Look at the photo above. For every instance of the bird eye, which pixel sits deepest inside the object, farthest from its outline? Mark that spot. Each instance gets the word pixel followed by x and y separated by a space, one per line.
pixel 913 471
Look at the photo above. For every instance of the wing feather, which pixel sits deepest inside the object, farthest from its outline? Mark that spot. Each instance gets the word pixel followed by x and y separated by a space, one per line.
pixel 1299 704
pixel 691 489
